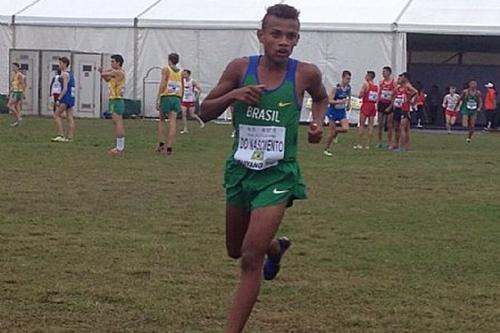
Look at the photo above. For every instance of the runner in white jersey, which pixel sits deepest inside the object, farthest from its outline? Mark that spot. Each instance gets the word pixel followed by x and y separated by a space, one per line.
pixel 56 88
pixel 191 93
pixel 450 106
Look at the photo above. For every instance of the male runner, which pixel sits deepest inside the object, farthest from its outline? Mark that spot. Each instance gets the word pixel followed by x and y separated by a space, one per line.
pixel 403 97
pixel 65 103
pixel 386 89
pixel 450 105
pixel 262 175
pixel 369 96
pixel 17 88
pixel 471 103
pixel 191 92
pixel 115 77
pixel 169 101
pixel 340 102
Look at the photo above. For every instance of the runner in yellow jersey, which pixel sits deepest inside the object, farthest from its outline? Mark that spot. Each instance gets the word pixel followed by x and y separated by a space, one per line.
pixel 169 101
pixel 115 77
pixel 17 89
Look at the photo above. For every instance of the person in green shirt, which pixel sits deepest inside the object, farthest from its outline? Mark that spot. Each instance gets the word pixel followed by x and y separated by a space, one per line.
pixel 262 176
pixel 471 103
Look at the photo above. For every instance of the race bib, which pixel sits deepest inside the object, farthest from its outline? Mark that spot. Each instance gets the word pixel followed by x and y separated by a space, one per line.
pixel 260 147
pixel 173 87
pixel 386 95
pixel 372 96
pixel 56 87
pixel 398 102
pixel 340 106
pixel 188 96
pixel 471 104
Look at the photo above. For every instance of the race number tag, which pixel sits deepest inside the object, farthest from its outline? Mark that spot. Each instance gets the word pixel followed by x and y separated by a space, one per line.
pixel 471 104
pixel 372 96
pixel 386 95
pixel 173 87
pixel 398 102
pixel 188 96
pixel 260 147
pixel 340 106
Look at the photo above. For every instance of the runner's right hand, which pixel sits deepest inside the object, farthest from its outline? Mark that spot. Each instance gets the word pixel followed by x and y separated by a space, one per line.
pixel 248 94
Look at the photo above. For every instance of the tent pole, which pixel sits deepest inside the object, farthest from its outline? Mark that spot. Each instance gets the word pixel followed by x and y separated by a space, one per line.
pixel 136 57
pixel 13 24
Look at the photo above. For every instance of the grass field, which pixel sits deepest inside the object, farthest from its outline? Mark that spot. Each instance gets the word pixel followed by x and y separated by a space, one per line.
pixel 387 242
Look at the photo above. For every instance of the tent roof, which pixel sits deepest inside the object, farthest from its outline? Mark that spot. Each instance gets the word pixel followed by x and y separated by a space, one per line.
pixel 361 15
pixel 12 7
pixel 84 12
pixel 419 16
pixel 452 17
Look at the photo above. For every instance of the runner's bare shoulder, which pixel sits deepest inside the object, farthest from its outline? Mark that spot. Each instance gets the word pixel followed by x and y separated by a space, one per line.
pixel 236 69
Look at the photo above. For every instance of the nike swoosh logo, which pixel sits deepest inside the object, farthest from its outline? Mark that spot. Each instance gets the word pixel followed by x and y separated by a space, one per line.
pixel 283 104
pixel 276 191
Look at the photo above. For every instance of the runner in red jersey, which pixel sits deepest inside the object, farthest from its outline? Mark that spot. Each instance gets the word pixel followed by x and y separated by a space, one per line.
pixel 404 96
pixel 386 90
pixel 369 95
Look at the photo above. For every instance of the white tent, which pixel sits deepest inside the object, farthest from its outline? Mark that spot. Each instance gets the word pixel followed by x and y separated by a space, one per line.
pixel 336 35
pixel 451 17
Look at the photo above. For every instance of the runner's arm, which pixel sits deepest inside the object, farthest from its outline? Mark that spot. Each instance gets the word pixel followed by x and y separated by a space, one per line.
pixel 108 74
pixel 363 89
pixel 317 91
pixel 227 92
pixel 65 86
pixel 414 93
pixel 458 103
pixel 197 88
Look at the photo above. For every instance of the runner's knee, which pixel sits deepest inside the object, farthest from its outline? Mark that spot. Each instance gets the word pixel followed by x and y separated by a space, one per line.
pixel 251 260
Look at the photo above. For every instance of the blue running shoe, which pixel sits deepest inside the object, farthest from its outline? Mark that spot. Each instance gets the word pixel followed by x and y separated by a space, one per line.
pixel 272 264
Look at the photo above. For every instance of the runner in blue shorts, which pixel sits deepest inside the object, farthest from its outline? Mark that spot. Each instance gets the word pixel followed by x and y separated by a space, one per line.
pixel 340 102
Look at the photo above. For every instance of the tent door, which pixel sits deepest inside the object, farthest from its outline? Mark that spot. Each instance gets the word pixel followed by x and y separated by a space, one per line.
pixel 30 63
pixel 50 65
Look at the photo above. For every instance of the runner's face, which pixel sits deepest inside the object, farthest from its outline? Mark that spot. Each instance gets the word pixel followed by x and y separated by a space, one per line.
pixel 386 74
pixel 453 90
pixel 473 85
pixel 15 68
pixel 185 74
pixel 114 64
pixel 346 80
pixel 279 37
pixel 62 65
pixel 401 79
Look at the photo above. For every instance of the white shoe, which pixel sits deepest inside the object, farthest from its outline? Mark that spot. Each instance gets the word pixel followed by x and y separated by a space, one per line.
pixel 367 147
pixel 58 138
pixel 336 140
pixel 202 124
pixel 14 124
pixel 184 131
pixel 467 140
pixel 327 153
pixel 358 147
pixel 420 126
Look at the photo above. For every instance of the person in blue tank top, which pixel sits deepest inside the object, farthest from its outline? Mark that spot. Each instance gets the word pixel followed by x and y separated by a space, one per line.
pixel 340 103
pixel 65 103
pixel 262 176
